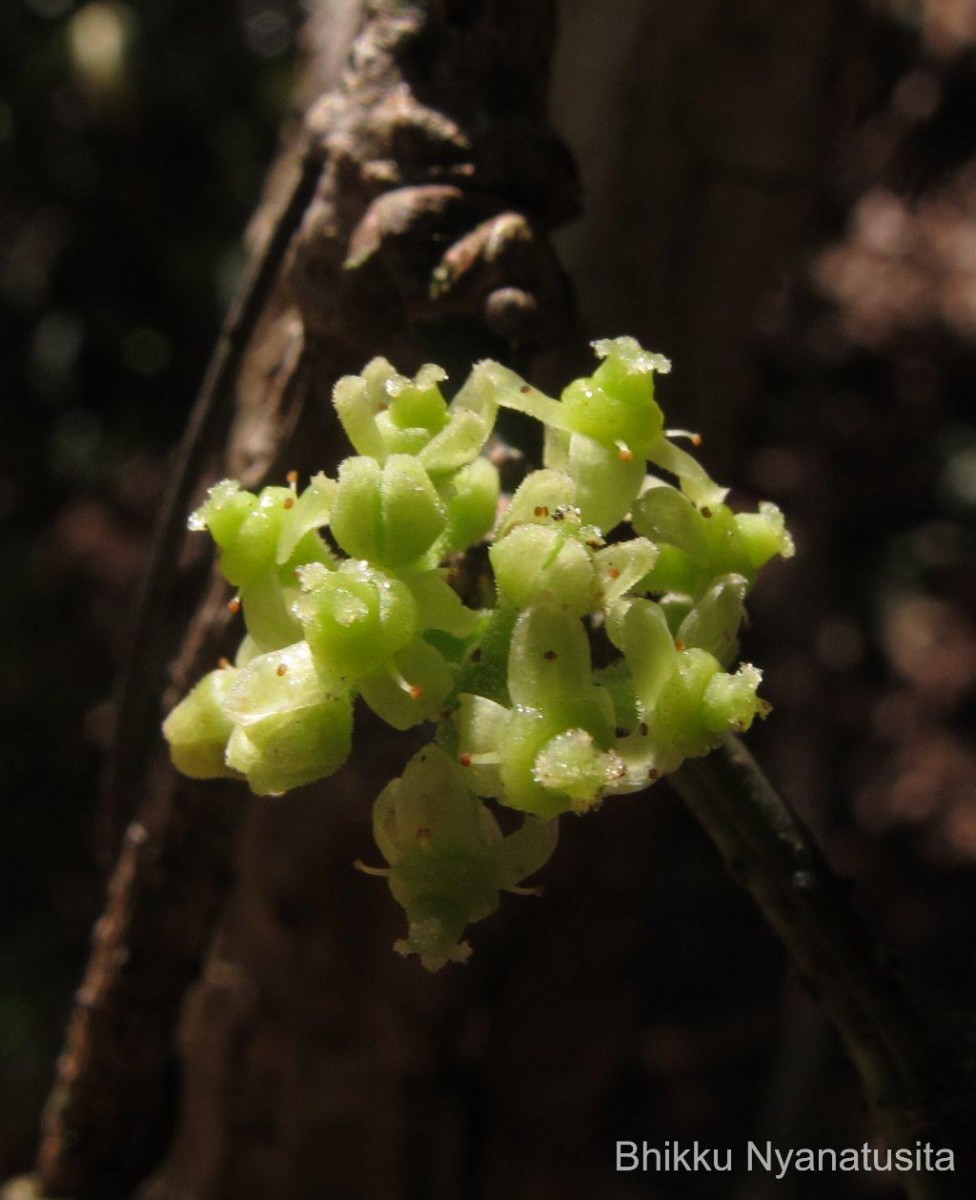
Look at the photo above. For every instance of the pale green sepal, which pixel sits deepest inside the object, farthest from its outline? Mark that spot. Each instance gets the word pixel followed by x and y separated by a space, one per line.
pixel 665 515
pixel 533 563
pixel 621 566
pixel 538 499
pixel 640 630
pixel 695 481
pixel 764 534
pixel 197 729
pixel 481 725
pixel 549 660
pixel 471 497
pixel 311 510
pixel 512 391
pixel 411 689
pixel 713 623
pixel 457 444
pixel 293 722
pixel 268 612
pixel 607 483
pixel 439 606
pixel 525 851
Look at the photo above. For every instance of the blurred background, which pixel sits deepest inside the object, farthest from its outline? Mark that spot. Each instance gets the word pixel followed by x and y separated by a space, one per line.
pixel 784 203
pixel 133 145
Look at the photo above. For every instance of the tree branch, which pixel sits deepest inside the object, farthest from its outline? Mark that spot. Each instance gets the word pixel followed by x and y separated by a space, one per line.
pixel 771 854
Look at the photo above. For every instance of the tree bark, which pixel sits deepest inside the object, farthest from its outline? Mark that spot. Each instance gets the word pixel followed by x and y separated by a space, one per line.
pixel 408 216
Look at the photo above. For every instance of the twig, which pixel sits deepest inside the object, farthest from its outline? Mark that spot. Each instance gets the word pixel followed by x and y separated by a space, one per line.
pixel 770 852
pixel 147 649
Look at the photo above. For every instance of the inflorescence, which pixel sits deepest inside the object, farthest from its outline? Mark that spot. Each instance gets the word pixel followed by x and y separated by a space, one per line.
pixel 345 594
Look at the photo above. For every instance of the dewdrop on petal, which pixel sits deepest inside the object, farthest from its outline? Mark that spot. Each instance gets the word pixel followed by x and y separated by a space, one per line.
pixel 572 763
pixel 355 618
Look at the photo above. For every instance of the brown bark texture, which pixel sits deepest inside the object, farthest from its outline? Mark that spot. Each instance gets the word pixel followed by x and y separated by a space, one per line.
pixel 409 216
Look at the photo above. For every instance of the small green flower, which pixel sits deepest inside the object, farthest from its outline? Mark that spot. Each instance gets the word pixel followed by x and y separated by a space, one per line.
pixel 390 515
pixel 346 592
pixel 551 699
pixel 198 729
pixel 355 618
pixel 448 860
pixel 292 721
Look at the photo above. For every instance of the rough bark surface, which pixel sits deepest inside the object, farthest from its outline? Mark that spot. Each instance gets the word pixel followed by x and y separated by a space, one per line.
pixel 403 219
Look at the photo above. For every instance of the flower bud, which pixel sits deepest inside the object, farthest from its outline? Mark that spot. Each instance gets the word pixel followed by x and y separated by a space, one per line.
pixel 292 722
pixel 447 858
pixel 533 563
pixel 389 515
pixel 198 728
pixel 355 618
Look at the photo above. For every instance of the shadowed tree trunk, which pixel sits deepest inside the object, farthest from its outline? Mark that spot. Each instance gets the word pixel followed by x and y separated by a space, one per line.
pixel 407 217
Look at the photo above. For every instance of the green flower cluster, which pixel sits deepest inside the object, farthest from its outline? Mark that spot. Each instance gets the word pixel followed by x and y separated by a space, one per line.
pixel 345 595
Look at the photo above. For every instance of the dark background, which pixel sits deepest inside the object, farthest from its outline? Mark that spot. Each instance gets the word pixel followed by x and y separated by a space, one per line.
pixel 786 205
pixel 122 208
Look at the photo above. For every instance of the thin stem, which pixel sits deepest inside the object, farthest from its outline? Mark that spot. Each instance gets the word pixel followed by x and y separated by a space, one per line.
pixel 770 852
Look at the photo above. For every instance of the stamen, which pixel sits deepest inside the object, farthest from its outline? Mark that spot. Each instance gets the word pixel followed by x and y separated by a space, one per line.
pixel 488 759
pixel 359 865
pixel 694 438
pixel 413 690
